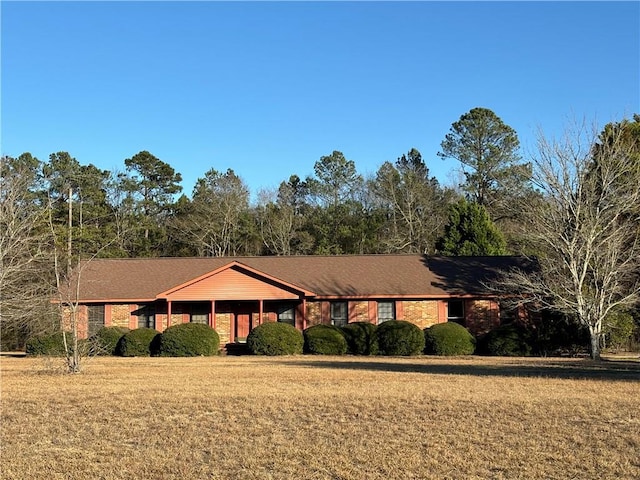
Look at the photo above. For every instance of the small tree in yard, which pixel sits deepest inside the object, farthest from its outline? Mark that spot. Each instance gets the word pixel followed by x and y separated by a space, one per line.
pixel 65 194
pixel 586 227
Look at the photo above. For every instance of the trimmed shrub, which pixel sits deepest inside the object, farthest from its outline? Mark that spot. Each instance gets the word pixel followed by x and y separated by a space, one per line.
pixel 51 344
pixel 448 339
pixel 399 337
pixel 361 338
pixel 508 340
pixel 324 340
pixel 188 340
pixel 105 340
pixel 275 338
pixel 137 343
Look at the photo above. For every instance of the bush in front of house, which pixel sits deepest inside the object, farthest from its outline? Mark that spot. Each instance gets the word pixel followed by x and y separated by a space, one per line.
pixel 399 337
pixel 137 343
pixel 105 340
pixel 556 334
pixel 361 338
pixel 324 340
pixel 275 338
pixel 53 345
pixel 448 339
pixel 188 340
pixel 48 344
pixel 509 340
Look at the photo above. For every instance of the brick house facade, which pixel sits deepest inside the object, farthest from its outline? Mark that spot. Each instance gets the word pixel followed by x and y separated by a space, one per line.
pixel 233 295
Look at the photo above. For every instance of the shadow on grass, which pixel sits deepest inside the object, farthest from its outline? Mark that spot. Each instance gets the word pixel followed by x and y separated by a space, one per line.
pixel 571 370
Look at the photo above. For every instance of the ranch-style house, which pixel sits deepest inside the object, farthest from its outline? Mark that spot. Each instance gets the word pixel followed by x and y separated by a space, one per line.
pixel 235 294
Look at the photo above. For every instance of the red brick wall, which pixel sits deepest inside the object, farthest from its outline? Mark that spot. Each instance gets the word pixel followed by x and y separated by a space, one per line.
pixel 314 313
pixel 481 316
pixel 121 315
pixel 423 313
pixel 223 327
pixel 359 311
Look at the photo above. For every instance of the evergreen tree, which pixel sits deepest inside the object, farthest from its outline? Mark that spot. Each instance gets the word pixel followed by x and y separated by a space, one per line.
pixel 470 231
pixel 150 185
pixel 487 148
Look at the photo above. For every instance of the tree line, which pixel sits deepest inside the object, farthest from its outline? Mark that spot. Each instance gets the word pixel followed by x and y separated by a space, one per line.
pixel 559 206
pixel 142 211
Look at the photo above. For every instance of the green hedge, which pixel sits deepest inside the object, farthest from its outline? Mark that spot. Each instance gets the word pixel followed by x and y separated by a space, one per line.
pixel 361 338
pixel 399 337
pixel 189 340
pixel 138 343
pixel 105 340
pixel 275 338
pixel 51 344
pixel 448 339
pixel 509 340
pixel 324 340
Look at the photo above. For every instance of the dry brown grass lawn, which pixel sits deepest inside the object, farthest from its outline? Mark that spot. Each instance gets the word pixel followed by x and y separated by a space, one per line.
pixel 321 418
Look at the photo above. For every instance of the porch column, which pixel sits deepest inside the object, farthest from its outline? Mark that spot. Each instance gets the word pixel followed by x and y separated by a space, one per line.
pixel 304 314
pixel 212 315
pixel 260 311
pixel 233 321
pixel 168 313
pixel 157 319
pixel 108 321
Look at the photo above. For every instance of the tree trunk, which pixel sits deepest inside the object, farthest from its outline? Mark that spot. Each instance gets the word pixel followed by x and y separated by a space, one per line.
pixel 595 346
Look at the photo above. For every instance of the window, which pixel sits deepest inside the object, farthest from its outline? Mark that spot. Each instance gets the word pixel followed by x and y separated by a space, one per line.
pixel 455 311
pixel 339 314
pixel 386 311
pixel 199 314
pixel 287 314
pixel 147 316
pixel 95 317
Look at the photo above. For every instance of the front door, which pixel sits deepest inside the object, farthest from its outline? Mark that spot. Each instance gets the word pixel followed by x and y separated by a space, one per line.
pixel 243 326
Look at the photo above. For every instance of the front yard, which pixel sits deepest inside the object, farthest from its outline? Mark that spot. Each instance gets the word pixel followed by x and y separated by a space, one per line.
pixel 306 417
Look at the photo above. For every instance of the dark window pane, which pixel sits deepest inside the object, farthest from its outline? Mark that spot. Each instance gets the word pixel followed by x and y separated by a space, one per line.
pixel 146 316
pixel 386 311
pixel 456 311
pixel 95 314
pixel 339 313
pixel 287 314
pixel 199 314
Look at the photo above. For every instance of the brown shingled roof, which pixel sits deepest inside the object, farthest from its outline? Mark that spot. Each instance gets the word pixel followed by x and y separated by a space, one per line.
pixel 327 276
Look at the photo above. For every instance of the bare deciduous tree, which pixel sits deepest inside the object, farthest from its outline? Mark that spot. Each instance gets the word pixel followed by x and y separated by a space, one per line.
pixel 213 223
pixel 415 202
pixel 277 221
pixel 585 227
pixel 24 289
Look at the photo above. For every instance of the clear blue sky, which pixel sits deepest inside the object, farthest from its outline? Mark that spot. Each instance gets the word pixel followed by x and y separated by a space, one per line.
pixel 268 88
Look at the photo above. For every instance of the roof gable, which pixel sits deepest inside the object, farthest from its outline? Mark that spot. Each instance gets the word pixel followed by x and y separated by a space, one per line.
pixel 235 281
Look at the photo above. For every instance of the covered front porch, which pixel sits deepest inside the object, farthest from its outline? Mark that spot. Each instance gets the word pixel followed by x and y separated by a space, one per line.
pixel 232 319
pixel 233 300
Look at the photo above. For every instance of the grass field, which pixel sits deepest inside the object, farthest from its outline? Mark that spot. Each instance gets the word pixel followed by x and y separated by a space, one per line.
pixel 320 418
